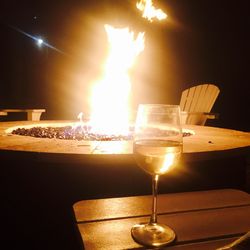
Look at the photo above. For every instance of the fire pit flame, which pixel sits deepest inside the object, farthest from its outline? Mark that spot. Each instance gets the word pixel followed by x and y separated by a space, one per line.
pixel 110 112
pixel 110 100
pixel 149 11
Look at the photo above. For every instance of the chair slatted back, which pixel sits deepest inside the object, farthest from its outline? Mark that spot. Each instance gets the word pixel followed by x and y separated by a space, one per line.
pixel 200 98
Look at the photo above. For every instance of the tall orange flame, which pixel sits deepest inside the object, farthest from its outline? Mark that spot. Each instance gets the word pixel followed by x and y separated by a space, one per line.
pixel 110 96
pixel 110 112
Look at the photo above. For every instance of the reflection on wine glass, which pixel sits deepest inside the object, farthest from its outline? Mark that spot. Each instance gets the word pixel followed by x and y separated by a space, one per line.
pixel 157 149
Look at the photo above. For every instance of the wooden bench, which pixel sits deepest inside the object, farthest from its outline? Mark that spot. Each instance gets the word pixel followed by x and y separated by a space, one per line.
pixel 32 114
pixel 202 220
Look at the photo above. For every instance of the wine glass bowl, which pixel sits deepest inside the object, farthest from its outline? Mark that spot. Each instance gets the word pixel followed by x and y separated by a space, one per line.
pixel 157 149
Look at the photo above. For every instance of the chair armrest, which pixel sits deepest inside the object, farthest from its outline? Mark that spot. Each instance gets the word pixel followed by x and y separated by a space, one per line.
pixel 212 115
pixel 199 118
pixel 32 114
pixel 209 115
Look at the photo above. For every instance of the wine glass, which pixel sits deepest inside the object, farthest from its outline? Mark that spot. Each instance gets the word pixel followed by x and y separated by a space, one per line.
pixel 157 149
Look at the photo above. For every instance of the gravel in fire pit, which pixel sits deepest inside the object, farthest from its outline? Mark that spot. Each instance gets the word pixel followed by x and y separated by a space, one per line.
pixel 72 133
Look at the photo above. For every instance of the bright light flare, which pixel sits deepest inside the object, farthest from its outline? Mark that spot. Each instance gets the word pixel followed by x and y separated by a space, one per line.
pixel 39 42
pixel 168 162
pixel 149 11
pixel 110 112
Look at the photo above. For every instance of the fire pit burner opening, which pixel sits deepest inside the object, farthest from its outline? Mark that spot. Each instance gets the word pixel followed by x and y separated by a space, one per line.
pixel 80 132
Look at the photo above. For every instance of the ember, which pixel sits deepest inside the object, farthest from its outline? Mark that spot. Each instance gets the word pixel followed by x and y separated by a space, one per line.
pixel 73 133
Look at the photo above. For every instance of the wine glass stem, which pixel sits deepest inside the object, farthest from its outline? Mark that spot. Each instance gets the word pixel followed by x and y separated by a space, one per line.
pixel 153 218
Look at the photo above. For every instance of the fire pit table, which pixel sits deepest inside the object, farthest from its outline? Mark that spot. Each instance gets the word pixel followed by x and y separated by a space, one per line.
pixel 93 163
pixel 204 142
pixel 42 178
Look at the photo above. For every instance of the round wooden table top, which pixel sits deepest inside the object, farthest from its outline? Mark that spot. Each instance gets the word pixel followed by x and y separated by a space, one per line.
pixel 205 142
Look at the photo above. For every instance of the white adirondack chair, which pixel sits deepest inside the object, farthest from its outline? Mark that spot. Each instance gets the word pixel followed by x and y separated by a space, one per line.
pixel 196 103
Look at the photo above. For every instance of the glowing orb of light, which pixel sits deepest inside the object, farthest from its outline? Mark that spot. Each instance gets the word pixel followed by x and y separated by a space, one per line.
pixel 40 42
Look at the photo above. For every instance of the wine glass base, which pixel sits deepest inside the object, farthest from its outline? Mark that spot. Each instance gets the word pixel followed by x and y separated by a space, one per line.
pixel 152 234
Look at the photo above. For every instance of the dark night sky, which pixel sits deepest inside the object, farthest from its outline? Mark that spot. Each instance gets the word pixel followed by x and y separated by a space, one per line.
pixel 202 41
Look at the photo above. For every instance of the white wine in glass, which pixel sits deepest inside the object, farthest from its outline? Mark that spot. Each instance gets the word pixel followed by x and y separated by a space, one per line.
pixel 157 149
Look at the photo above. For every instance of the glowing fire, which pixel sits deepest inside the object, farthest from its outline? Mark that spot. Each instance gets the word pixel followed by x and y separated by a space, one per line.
pixel 110 96
pixel 110 112
pixel 149 11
